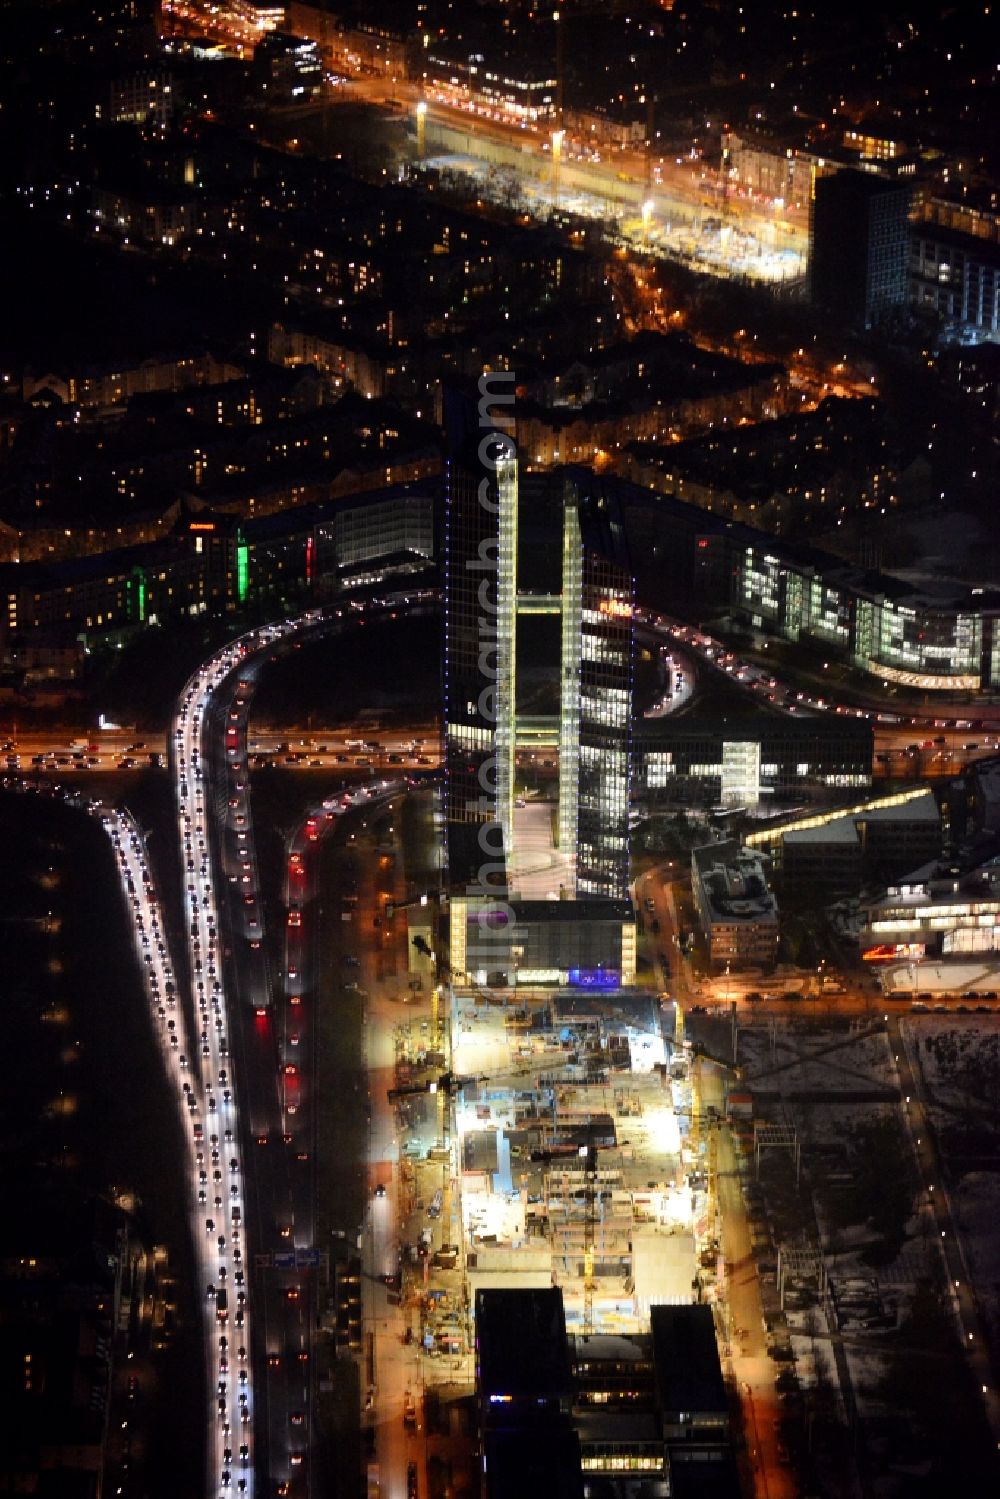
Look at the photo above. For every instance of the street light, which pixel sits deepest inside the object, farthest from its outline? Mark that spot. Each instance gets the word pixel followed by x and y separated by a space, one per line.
pixel 421 128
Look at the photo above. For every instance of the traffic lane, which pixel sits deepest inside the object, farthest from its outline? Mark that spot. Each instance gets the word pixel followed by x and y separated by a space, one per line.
pixel 755 1372
pixel 654 893
pixel 301 951
pixel 397 1366
pixel 284 1327
pixel 254 1041
pixel 194 795
pixel 888 715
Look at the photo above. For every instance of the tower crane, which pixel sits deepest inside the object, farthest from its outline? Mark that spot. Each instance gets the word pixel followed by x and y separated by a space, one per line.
pixel 588 1153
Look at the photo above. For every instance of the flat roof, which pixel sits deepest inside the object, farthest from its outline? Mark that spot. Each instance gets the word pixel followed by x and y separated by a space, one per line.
pixel 588 910
pixel 942 978
pixel 692 1479
pixel 522 1345
pixel 923 808
pixel 686 1358
pixel 466 859
pixel 844 830
pixel 733 882
pixel 522 1462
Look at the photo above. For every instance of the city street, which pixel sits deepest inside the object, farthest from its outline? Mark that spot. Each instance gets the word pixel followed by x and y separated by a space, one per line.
pixel 348 747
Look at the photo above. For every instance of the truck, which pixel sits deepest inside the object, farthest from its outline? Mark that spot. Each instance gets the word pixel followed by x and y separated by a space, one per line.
pixel 222 1304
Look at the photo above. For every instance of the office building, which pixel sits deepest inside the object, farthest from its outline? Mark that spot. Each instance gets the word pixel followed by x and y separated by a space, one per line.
pixel 595 604
pixel 749 762
pixel 860 246
pixel 736 910
pixel 641 1416
pixel 588 943
pixel 935 634
pixel 140 97
pixel 937 911
pixel 524 1382
pixel 596 694
pixel 511 82
pixel 480 534
pixel 866 843
pixel 693 1402
pixel 211 563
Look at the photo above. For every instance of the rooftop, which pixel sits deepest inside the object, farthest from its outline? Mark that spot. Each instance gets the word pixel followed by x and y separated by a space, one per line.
pixel 686 1356
pixel 522 1345
pixel 844 831
pixel 733 882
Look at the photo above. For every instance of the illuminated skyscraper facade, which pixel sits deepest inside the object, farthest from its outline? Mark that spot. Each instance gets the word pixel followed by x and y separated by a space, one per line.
pixel 595 694
pixel 481 518
pixel 595 601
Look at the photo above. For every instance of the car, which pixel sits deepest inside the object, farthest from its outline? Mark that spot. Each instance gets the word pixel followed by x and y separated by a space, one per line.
pixel 297 1418
pixel 380 1190
pixel 294 918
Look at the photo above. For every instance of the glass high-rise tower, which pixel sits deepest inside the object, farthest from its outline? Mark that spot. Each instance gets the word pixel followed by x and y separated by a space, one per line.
pixel 595 719
pixel 480 520
pixel 595 602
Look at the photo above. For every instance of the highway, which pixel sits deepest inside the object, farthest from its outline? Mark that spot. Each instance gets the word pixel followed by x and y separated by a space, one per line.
pixel 218 1142
pixel 170 1030
pixel 346 747
pixel 225 1067
pixel 235 997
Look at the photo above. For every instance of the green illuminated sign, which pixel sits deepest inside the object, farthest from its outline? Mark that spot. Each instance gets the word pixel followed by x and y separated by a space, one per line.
pixel 242 570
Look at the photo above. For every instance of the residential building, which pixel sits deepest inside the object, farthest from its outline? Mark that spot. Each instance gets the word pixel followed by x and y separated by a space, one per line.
pixel 956 275
pixel 860 246
pixel 288 68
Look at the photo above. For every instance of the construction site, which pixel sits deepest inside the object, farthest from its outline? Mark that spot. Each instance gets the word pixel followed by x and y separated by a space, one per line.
pixel 563 1144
